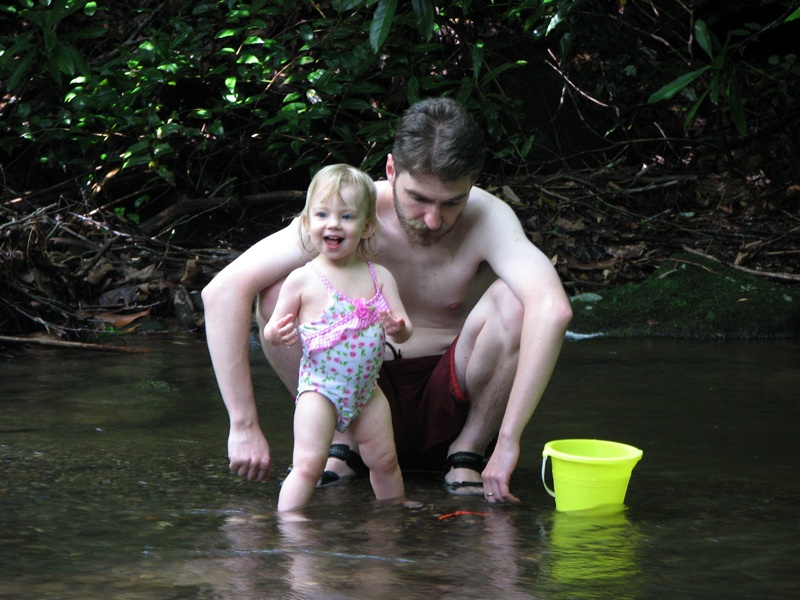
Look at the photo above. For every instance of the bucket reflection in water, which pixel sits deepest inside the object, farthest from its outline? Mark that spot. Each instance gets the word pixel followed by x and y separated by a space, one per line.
pixel 593 553
pixel 589 473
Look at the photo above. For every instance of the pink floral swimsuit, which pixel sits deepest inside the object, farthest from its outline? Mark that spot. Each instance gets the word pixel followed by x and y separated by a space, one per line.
pixel 343 350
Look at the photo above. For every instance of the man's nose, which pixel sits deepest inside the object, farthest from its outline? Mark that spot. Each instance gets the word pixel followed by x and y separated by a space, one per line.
pixel 433 219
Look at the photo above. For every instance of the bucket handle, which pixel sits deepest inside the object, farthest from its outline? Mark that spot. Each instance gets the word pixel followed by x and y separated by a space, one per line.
pixel 544 464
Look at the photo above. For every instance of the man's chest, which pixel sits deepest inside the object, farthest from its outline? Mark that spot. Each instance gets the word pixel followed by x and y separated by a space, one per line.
pixel 438 284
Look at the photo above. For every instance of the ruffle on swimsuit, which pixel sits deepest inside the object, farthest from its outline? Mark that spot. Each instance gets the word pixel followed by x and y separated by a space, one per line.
pixel 366 313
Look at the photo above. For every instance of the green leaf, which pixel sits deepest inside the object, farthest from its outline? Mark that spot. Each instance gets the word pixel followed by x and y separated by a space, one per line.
pixel 676 85
pixel 166 174
pixel 715 88
pixel 137 161
pixel 163 149
pixel 50 40
pixel 693 110
pixel 248 59
pixel 381 23
pixel 86 33
pixel 477 59
pixel 703 37
pixel 502 68
pixel 345 5
pixel 63 59
pixel 565 47
pixel 20 71
pixel 735 104
pixel 412 90
pixel 793 16
pixel 423 11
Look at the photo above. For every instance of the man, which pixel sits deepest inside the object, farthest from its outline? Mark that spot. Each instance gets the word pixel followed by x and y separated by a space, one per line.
pixel 488 308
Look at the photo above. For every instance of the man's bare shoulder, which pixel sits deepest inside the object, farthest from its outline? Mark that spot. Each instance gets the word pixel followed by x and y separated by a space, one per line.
pixel 486 202
pixel 485 211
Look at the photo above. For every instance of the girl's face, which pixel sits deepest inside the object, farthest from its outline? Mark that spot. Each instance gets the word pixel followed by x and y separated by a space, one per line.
pixel 336 225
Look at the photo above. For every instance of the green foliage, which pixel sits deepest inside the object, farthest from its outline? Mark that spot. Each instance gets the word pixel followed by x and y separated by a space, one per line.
pixel 719 72
pixel 42 46
pixel 238 96
pixel 224 93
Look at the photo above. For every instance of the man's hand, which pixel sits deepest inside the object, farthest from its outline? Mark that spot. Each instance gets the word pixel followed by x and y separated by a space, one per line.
pixel 497 474
pixel 248 452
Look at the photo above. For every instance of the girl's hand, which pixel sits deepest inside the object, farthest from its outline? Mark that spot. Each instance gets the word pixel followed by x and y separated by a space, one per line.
pixel 282 331
pixel 394 327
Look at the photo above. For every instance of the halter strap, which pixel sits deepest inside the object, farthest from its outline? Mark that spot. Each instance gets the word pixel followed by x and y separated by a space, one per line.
pixel 321 276
pixel 330 287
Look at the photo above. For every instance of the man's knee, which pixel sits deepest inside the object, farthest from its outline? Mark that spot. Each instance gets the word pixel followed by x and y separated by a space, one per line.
pixel 492 333
pixel 506 312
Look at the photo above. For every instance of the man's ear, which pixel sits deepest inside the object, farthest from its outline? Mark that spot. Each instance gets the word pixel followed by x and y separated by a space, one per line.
pixel 391 172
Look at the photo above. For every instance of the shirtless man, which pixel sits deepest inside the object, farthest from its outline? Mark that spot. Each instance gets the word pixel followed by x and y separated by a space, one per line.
pixel 483 299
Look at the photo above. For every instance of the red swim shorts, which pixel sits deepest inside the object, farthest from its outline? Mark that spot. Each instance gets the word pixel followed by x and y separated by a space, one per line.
pixel 429 408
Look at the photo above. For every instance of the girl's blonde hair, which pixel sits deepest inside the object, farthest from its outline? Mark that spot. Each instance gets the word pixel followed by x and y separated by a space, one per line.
pixel 325 187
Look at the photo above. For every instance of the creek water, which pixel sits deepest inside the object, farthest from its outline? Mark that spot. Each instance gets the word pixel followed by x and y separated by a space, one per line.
pixel 114 484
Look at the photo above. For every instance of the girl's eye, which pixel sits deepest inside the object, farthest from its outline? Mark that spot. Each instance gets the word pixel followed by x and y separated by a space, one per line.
pixel 320 214
pixel 347 216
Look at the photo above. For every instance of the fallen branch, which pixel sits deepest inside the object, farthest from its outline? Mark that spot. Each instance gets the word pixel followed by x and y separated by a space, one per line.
pixel 198 205
pixel 781 276
pixel 45 341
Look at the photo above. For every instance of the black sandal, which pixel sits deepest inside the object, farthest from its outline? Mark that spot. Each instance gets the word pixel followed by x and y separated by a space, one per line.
pixel 350 458
pixel 463 460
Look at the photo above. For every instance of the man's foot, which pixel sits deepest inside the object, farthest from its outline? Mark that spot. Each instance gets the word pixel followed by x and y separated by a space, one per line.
pixel 351 466
pixel 463 474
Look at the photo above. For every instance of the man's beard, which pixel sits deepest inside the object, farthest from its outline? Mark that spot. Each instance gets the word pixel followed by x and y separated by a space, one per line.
pixel 418 233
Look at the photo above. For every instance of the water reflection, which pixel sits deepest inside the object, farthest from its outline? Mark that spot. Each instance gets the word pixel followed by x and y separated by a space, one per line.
pixel 592 554
pixel 114 484
pixel 378 551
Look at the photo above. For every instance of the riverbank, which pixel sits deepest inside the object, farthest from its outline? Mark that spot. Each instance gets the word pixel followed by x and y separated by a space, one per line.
pixel 692 297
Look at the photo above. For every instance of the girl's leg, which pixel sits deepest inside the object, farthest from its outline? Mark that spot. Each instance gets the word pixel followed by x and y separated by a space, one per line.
pixel 314 423
pixel 372 430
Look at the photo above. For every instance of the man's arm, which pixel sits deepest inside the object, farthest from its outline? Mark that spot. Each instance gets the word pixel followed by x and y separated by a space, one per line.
pixel 228 304
pixel 546 315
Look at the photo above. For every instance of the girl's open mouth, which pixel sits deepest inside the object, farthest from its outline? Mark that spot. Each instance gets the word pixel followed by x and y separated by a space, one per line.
pixel 333 241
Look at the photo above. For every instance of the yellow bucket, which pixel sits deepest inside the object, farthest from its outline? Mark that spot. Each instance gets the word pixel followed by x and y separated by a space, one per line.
pixel 589 473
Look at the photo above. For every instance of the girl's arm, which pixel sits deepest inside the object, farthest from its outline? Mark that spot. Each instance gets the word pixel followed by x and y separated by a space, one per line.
pixel 282 325
pixel 396 322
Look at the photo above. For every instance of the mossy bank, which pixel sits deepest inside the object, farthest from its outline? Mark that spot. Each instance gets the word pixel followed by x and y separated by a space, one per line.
pixel 692 297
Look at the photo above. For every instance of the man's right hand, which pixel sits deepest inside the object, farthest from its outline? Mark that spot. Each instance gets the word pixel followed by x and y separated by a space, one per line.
pixel 248 452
